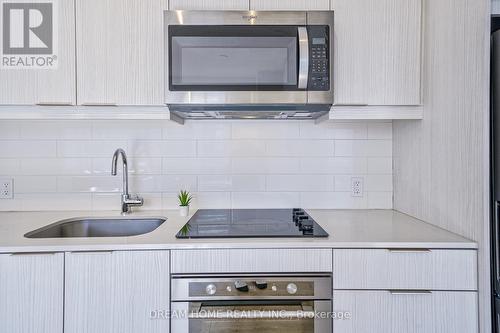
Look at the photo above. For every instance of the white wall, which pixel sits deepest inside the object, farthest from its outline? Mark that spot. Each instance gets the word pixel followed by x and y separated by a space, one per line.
pixel 65 165
pixel 441 163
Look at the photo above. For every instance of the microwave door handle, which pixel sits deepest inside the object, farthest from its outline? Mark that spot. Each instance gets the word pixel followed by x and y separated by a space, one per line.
pixel 303 58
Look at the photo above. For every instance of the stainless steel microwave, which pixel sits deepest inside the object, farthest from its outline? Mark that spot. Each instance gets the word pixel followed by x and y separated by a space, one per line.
pixel 246 64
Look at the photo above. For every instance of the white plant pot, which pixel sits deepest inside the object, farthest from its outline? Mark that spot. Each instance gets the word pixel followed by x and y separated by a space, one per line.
pixel 184 210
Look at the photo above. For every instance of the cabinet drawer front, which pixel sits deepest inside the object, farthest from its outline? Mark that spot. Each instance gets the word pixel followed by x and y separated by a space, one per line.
pixel 383 312
pixel 405 269
pixel 251 260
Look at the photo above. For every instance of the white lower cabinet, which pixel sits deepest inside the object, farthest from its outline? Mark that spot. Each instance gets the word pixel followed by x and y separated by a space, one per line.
pixel 384 311
pixel 31 292
pixel 117 292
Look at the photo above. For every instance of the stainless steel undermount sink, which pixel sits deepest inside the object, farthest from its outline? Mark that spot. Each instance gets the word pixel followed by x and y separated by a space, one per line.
pixel 98 227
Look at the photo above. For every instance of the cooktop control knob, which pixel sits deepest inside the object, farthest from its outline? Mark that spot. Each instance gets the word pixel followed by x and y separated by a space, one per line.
pixel 241 286
pixel 261 284
pixel 291 288
pixel 211 289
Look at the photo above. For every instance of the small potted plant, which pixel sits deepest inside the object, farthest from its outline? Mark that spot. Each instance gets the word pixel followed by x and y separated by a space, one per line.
pixel 184 200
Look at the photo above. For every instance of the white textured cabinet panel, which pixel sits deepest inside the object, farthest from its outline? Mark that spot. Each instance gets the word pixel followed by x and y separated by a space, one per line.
pixel 385 312
pixel 251 260
pixel 404 269
pixel 120 51
pixel 55 86
pixel 31 293
pixel 115 292
pixel 289 4
pixel 208 5
pixel 377 52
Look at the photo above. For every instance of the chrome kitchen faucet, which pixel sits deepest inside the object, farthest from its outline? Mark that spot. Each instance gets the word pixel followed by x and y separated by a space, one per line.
pixel 127 200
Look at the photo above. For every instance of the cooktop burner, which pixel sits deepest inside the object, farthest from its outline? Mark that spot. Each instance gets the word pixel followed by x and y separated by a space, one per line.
pixel 234 223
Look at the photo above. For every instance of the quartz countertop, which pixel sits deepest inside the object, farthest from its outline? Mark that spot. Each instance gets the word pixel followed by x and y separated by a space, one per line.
pixel 347 229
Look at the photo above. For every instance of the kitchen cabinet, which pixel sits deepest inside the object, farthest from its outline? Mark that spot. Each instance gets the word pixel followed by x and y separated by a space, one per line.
pixel 251 260
pixel 377 52
pixel 31 292
pixel 51 85
pixel 116 292
pixel 289 5
pixel 208 5
pixel 120 52
pixel 410 312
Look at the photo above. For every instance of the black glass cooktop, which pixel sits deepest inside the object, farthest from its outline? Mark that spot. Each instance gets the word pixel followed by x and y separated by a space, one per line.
pixel 234 223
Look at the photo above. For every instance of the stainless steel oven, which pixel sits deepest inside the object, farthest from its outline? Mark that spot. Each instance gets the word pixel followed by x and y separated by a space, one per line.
pixel 248 61
pixel 251 303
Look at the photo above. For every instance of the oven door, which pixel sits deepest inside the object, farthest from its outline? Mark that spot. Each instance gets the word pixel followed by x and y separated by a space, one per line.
pixel 251 316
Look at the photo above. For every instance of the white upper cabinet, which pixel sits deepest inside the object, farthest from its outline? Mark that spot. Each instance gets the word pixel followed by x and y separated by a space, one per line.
pixel 54 85
pixel 31 292
pixel 120 51
pixel 116 292
pixel 289 4
pixel 208 5
pixel 377 51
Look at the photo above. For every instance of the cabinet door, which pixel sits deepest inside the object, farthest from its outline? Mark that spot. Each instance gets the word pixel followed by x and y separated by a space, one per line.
pixel 377 52
pixel 386 312
pixel 31 293
pixel 50 85
pixel 116 292
pixel 120 51
pixel 290 4
pixel 208 5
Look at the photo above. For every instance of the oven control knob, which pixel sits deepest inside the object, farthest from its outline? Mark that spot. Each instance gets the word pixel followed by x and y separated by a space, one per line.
pixel 211 289
pixel 261 284
pixel 291 288
pixel 241 286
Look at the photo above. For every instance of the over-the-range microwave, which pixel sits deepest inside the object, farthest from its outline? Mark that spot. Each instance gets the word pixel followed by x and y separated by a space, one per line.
pixel 247 64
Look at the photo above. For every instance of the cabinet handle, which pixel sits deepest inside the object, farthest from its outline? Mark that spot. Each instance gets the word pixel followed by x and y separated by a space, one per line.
pixel 19 254
pixel 409 250
pixel 92 252
pixel 99 104
pixel 410 292
pixel 54 104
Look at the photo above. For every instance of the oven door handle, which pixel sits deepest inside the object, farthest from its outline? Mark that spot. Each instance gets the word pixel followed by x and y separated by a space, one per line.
pixel 252 314
pixel 303 58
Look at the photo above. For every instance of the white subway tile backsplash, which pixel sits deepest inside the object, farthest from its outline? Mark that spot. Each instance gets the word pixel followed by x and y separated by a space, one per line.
pixel 258 130
pixel 265 199
pixel 265 165
pixel 9 166
pixel 136 166
pixel 379 165
pixel 126 129
pixel 55 129
pixel 300 148
pixel 368 148
pixel 231 148
pixel 286 183
pixel 235 183
pixel 10 149
pixel 162 148
pixel 380 130
pixel 55 166
pixel 65 164
pixel 89 149
pixel 333 165
pixel 196 166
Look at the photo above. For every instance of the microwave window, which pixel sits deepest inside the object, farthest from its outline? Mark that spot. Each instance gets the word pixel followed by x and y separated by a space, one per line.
pixel 233 61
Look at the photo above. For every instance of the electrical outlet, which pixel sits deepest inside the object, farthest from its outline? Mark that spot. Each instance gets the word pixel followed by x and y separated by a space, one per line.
pixel 357 186
pixel 6 188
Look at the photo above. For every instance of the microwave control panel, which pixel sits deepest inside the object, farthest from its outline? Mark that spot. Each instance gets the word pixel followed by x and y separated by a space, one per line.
pixel 319 55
